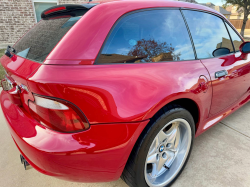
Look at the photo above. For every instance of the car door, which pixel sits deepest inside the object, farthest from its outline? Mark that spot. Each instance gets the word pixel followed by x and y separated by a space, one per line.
pixel 228 71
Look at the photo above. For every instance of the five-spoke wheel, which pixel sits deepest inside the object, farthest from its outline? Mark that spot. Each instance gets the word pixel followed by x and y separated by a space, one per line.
pixel 162 150
pixel 168 152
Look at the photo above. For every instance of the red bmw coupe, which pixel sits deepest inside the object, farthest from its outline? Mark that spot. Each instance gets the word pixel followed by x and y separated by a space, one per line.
pixel 110 89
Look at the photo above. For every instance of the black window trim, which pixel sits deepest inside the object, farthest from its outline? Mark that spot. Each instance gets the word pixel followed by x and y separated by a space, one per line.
pixel 236 32
pixel 229 36
pixel 133 12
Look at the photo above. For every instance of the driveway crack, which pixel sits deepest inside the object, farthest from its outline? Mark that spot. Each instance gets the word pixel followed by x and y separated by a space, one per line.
pixel 235 130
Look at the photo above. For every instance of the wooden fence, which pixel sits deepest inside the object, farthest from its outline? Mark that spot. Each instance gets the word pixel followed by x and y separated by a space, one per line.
pixel 237 23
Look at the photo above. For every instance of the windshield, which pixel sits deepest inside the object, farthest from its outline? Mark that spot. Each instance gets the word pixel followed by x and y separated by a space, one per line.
pixel 43 37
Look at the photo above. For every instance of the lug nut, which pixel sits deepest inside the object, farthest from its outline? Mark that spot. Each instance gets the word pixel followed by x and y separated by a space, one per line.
pixel 164 155
pixel 168 145
pixel 157 157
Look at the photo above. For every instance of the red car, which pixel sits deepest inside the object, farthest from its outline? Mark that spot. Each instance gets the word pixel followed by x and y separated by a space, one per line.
pixel 111 89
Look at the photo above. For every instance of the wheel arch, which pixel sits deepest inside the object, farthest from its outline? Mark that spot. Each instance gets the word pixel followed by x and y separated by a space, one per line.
pixel 187 103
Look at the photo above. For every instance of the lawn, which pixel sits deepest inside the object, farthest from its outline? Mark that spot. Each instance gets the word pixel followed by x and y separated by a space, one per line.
pixel 2 73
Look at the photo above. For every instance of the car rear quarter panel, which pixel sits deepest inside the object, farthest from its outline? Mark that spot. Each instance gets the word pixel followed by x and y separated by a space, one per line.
pixel 124 92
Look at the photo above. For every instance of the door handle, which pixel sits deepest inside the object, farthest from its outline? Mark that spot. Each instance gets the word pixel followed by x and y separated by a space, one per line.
pixel 220 74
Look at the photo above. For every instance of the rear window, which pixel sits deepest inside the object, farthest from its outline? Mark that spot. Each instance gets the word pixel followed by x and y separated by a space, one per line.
pixel 43 37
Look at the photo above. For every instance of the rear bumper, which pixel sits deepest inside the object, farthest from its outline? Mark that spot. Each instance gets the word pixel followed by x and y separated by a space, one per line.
pixel 96 155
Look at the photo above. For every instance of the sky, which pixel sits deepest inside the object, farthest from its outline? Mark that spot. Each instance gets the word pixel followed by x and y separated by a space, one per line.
pixel 216 2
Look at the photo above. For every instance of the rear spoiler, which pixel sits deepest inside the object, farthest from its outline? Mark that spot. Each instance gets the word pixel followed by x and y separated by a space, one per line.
pixel 67 10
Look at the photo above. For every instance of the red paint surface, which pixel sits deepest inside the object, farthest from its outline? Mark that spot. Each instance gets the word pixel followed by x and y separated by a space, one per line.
pixel 93 155
pixel 122 93
pixel 229 89
pixel 118 99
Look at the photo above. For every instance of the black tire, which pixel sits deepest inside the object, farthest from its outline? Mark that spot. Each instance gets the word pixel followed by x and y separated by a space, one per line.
pixel 133 173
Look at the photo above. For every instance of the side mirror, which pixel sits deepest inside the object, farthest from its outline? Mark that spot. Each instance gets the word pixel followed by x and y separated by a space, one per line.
pixel 245 47
pixel 221 51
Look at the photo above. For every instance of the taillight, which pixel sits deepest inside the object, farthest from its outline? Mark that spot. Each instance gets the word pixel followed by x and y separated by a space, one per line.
pixel 55 10
pixel 57 114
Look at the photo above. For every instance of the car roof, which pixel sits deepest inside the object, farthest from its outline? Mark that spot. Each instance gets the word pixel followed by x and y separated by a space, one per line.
pixel 165 3
pixel 98 22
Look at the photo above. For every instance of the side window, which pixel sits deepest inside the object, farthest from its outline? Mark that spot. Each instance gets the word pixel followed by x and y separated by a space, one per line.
pixel 208 32
pixel 237 41
pixel 148 36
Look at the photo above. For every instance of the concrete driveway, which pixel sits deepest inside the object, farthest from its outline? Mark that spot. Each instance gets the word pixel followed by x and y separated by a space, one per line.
pixel 220 158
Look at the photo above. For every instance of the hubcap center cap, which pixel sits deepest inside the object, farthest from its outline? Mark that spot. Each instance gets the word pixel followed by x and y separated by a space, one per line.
pixel 161 148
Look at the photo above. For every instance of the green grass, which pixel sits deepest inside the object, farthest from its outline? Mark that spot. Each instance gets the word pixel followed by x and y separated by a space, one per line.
pixel 2 52
pixel 2 73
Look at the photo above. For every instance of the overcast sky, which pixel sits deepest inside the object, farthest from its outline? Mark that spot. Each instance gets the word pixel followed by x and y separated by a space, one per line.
pixel 216 2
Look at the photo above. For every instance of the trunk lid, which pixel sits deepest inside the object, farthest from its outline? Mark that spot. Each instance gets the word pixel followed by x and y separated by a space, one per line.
pixel 17 71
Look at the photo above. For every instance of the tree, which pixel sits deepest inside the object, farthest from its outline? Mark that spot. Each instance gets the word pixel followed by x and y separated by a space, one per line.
pixel 150 49
pixel 241 4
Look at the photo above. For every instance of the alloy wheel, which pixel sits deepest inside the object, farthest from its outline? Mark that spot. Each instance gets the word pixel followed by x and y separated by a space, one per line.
pixel 168 153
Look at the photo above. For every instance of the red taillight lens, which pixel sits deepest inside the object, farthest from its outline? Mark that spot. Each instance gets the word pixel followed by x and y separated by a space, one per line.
pixel 55 10
pixel 58 115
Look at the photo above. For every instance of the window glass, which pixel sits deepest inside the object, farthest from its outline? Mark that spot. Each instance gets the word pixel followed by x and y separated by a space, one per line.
pixel 209 33
pixel 39 41
pixel 235 38
pixel 40 7
pixel 148 36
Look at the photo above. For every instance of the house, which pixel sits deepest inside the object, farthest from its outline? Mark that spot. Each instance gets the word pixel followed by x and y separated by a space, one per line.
pixel 235 13
pixel 222 11
pixel 17 17
pixel 211 5
pixel 217 8
pixel 163 57
pixel 227 43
